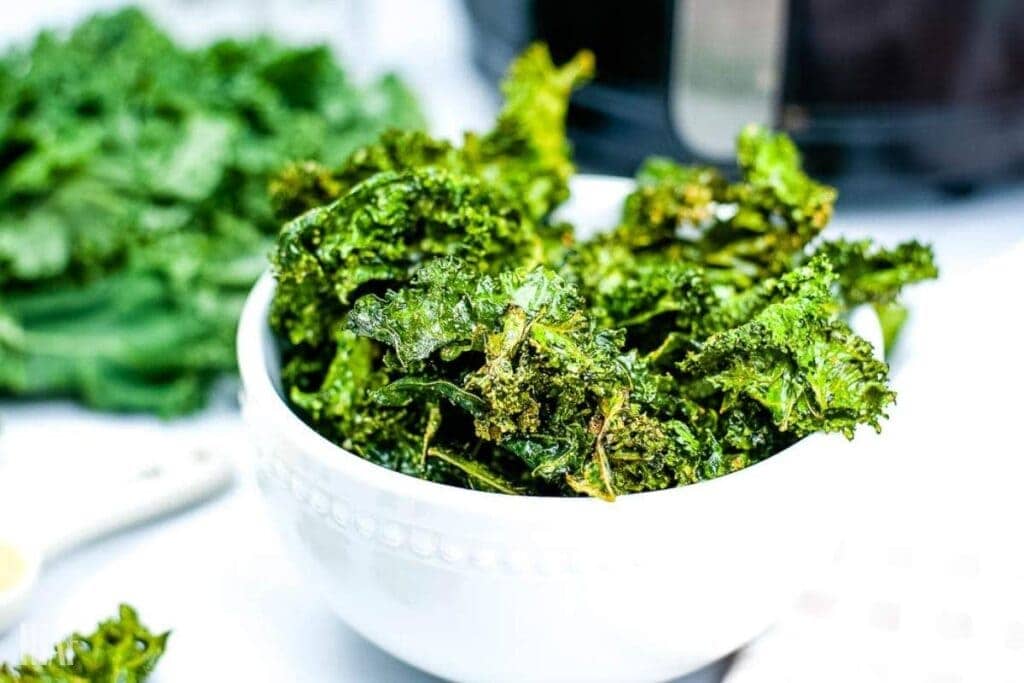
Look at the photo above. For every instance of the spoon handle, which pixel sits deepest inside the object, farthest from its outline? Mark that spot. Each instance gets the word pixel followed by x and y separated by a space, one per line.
pixel 161 486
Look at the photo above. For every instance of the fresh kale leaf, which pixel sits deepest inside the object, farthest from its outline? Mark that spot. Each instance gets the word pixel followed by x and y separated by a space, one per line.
pixel 134 213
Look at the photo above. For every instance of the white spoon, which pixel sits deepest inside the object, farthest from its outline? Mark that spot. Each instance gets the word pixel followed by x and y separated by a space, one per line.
pixel 158 487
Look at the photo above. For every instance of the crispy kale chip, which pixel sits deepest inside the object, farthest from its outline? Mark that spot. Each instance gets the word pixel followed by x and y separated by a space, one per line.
pixel 134 213
pixel 121 650
pixel 641 291
pixel 743 231
pixel 378 235
pixel 869 274
pixel 527 155
pixel 554 401
pixel 528 152
pixel 305 185
pixel 434 319
pixel 795 359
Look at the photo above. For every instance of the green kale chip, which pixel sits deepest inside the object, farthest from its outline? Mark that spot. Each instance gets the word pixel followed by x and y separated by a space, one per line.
pixel 121 650
pixel 381 232
pixel 795 359
pixel 134 213
pixel 526 156
pixel 435 320
pixel 741 232
pixel 869 274
pixel 551 390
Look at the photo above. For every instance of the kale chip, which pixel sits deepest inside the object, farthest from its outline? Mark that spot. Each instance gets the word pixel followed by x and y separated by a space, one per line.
pixel 120 649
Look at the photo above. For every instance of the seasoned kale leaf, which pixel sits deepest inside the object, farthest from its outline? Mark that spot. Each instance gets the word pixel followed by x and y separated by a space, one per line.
pixel 436 320
pixel 120 649
pixel 134 213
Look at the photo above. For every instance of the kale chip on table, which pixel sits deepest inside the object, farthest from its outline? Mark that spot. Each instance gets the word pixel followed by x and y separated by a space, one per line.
pixel 121 649
pixel 435 319
pixel 134 205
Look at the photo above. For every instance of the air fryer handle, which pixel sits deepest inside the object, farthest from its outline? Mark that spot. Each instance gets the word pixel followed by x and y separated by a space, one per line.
pixel 726 70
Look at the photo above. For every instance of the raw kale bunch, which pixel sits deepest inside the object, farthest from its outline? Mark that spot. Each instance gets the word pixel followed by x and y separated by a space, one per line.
pixel 435 320
pixel 121 650
pixel 134 211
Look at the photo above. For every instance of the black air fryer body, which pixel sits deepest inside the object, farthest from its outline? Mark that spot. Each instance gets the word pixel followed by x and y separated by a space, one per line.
pixel 874 91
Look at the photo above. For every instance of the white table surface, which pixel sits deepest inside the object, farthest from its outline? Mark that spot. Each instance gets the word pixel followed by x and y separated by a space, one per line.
pixel 216 574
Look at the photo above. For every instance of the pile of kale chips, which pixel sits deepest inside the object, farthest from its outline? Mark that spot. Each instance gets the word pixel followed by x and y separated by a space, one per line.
pixel 134 213
pixel 435 320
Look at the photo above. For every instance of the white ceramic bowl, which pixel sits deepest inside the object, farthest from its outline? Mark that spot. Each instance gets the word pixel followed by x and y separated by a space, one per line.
pixel 485 587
